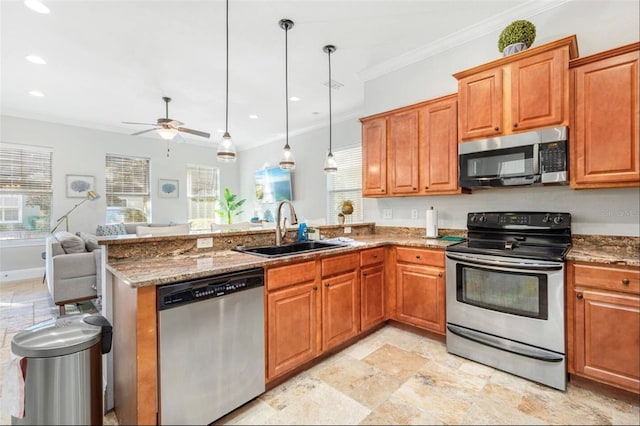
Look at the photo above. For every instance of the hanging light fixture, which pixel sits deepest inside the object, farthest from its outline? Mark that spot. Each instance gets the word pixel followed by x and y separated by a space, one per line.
pixel 330 165
pixel 226 151
pixel 287 162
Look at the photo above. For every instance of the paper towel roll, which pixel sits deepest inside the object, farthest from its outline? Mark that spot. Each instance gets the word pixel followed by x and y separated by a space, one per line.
pixel 432 223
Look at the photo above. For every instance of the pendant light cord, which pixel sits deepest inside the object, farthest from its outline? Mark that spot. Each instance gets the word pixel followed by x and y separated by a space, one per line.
pixel 286 86
pixel 329 53
pixel 226 119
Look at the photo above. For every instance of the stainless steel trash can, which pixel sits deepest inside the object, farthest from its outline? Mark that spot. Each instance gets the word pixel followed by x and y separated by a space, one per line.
pixel 63 374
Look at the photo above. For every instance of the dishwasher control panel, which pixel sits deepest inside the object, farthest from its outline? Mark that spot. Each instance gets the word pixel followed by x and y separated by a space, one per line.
pixel 173 295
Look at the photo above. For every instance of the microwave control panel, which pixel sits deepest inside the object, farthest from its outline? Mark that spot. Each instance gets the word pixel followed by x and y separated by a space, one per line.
pixel 553 156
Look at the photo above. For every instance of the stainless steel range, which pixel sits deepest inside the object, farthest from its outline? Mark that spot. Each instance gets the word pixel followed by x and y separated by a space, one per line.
pixel 505 293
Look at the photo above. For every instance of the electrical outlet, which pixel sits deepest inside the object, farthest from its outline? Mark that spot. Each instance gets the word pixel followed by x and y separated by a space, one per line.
pixel 204 243
pixel 347 229
pixel 386 214
pixel 414 213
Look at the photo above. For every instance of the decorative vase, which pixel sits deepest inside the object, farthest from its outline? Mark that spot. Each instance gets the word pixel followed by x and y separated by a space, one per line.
pixel 340 220
pixel 513 48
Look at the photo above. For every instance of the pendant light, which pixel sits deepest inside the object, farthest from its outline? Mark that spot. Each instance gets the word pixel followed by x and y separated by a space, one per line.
pixel 226 151
pixel 287 162
pixel 330 165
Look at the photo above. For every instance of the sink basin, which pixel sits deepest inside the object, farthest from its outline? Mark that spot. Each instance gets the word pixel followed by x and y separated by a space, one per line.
pixel 284 250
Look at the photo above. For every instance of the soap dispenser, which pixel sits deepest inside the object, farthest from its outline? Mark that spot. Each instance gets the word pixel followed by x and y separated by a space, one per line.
pixel 302 231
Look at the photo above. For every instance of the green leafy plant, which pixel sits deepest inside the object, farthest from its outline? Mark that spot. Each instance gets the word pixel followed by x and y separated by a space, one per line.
pixel 517 32
pixel 229 206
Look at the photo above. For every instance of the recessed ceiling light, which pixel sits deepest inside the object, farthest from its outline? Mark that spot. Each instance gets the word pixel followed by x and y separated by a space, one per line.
pixel 36 6
pixel 294 99
pixel 36 59
pixel 253 117
pixel 36 93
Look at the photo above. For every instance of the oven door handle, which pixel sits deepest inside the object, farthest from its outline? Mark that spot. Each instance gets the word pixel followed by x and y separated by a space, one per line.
pixel 506 345
pixel 473 261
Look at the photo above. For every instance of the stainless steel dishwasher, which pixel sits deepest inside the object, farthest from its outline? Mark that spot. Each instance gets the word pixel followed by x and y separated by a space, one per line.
pixel 211 346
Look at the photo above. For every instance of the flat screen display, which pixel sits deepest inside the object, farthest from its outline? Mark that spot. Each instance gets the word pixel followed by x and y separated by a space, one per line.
pixel 273 185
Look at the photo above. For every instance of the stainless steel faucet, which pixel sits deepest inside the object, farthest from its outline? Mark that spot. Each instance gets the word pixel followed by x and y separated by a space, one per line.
pixel 294 220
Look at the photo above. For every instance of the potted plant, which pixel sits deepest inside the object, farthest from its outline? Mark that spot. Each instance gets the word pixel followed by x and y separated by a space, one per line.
pixel 229 206
pixel 341 218
pixel 517 36
pixel 347 207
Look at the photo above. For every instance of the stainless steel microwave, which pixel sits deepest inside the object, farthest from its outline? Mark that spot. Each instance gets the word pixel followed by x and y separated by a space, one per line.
pixel 536 157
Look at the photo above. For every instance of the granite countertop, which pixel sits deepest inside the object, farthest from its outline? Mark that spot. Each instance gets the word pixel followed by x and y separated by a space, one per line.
pixel 169 269
pixel 605 250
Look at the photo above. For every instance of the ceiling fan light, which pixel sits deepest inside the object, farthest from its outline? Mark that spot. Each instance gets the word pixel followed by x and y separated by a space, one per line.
pixel 167 134
pixel 226 151
pixel 287 161
pixel 37 6
pixel 330 165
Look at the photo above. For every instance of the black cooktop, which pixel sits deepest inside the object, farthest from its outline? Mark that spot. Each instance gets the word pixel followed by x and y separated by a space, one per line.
pixel 528 235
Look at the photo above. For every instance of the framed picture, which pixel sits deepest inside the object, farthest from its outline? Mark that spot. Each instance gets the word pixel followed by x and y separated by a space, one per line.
pixel 79 185
pixel 168 188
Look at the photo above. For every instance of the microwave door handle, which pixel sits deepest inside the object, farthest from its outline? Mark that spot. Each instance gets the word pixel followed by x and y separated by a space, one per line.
pixel 536 159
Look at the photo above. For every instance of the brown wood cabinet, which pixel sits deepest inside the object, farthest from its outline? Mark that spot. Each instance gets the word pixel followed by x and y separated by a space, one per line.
pixel 292 317
pixel 603 323
pixel 421 150
pixel 420 288
pixel 340 299
pixel 374 157
pixel 373 294
pixel 605 147
pixel 520 92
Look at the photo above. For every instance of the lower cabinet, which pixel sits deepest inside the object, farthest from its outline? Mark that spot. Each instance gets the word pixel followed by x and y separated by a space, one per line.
pixel 603 323
pixel 420 288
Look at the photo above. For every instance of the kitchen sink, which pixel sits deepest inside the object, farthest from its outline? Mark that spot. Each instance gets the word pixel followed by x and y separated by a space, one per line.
pixel 284 250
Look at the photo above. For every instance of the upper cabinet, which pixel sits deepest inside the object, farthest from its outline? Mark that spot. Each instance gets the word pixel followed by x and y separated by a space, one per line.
pixel 520 92
pixel 604 126
pixel 421 156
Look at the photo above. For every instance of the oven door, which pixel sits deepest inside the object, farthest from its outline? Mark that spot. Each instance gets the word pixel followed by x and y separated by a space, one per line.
pixel 517 299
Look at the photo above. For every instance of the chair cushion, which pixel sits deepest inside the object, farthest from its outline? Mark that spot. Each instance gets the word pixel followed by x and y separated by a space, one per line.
pixel 114 229
pixel 90 240
pixel 70 243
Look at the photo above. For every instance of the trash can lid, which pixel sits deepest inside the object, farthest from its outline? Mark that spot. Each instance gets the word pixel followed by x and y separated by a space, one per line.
pixel 56 337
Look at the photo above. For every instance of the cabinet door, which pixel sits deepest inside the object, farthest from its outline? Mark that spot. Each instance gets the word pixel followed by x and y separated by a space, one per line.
pixel 439 147
pixel 540 91
pixel 372 297
pixel 606 337
pixel 291 328
pixel 420 298
pixel 605 139
pixel 374 157
pixel 480 97
pixel 403 152
pixel 340 309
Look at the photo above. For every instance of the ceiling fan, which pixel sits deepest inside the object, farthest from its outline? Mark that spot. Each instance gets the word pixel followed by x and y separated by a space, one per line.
pixel 166 127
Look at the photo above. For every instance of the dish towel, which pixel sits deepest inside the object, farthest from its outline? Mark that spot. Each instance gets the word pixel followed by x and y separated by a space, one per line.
pixel 12 401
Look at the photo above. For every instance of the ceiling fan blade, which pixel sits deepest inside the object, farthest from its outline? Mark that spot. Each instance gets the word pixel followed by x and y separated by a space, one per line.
pixel 194 132
pixel 143 131
pixel 133 122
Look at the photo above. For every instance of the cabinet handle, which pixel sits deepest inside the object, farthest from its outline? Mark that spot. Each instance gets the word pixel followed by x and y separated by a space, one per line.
pixel 440 274
pixel 382 190
pixel 625 281
pixel 326 284
pixel 426 187
pixel 579 296
pixel 375 256
pixel 315 288
pixel 515 124
pixel 418 257
pixel 415 189
pixel 497 129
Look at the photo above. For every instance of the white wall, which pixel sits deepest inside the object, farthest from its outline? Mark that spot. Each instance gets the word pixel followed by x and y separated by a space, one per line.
pixel 82 151
pixel 598 25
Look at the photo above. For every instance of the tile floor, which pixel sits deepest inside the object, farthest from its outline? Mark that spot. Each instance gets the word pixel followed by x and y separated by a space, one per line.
pixel 390 377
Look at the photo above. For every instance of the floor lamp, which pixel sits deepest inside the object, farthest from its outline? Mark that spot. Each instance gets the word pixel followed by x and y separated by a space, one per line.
pixel 91 196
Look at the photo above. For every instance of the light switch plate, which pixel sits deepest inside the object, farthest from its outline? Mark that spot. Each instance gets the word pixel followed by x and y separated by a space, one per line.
pixel 204 243
pixel 386 214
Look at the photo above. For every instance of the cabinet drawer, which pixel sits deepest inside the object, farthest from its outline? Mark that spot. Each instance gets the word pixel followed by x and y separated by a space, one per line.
pixel 337 264
pixel 298 273
pixel 617 278
pixel 420 256
pixel 371 256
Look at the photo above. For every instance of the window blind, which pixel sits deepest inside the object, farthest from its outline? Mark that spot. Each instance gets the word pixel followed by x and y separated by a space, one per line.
pixel 127 175
pixel 202 193
pixel 24 169
pixel 346 184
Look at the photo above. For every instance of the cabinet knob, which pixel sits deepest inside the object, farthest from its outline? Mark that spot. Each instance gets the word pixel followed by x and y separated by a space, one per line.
pixel 418 257
pixel 375 256
pixel 426 187
pixel 326 284
pixel 415 189
pixel 497 129
pixel 579 296
pixel 515 124
pixel 625 281
pixel 315 288
pixel 382 190
pixel 440 274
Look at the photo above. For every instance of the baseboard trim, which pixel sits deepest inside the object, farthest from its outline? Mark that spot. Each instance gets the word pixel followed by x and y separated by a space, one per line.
pixel 21 274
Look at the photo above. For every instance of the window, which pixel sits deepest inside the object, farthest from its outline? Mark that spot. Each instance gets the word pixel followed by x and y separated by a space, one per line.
pixel 25 191
pixel 128 194
pixel 346 184
pixel 202 192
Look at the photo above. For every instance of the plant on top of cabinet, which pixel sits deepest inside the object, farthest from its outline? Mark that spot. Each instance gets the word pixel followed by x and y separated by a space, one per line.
pixel 516 37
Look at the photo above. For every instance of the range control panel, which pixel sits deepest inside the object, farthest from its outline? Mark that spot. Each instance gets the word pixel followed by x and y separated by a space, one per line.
pixel 518 220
